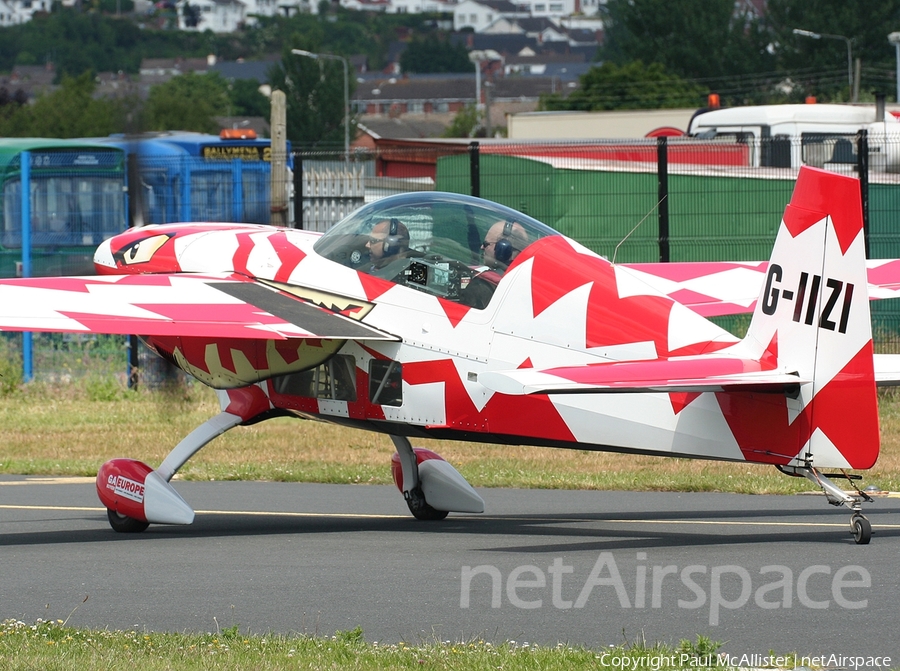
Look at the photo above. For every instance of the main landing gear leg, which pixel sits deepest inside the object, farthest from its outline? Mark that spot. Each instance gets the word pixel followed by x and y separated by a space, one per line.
pixel 860 527
pixel 194 441
pixel 136 495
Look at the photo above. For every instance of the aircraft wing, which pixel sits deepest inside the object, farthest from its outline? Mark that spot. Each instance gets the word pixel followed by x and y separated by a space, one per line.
pixel 718 288
pixel 688 374
pixel 219 306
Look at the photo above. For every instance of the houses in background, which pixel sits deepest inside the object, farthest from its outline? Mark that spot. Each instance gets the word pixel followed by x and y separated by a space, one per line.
pixel 227 16
pixel 519 51
pixel 14 12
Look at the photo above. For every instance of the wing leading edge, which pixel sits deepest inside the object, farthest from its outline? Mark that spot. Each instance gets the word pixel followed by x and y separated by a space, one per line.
pixel 186 305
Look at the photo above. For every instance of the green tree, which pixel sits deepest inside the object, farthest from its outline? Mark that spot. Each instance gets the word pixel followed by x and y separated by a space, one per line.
pixel 314 92
pixel 819 66
pixel 631 86
pixel 75 41
pixel 690 38
pixel 465 123
pixel 187 102
pixel 246 99
pixel 71 111
pixel 434 54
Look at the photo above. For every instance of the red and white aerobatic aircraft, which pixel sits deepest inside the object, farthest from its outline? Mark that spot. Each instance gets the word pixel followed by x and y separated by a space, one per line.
pixel 436 315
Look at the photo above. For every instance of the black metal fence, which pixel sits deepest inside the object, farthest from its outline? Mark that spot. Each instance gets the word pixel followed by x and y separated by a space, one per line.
pixel 642 200
pixel 695 200
pixel 645 200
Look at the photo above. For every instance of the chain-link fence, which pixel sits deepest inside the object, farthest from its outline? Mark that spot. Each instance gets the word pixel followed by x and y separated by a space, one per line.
pixel 643 200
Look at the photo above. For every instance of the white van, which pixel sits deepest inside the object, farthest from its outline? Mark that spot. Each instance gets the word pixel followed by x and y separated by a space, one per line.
pixel 788 136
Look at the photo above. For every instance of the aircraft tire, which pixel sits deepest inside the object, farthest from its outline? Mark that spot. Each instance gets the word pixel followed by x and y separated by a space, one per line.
pixel 861 529
pixel 421 510
pixel 123 524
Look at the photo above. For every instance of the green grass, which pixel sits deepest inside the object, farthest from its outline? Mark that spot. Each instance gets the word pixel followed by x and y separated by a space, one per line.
pixel 71 429
pixel 53 645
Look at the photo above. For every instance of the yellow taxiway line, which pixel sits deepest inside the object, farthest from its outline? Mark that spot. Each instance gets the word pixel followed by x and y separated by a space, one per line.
pixel 63 480
pixel 260 513
pixel 369 516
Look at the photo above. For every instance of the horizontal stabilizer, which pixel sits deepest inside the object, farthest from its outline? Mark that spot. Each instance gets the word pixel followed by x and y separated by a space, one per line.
pixel 688 374
pixel 185 305
pixel 887 370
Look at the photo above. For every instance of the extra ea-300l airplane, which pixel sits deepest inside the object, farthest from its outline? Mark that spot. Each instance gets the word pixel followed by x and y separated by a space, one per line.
pixel 437 315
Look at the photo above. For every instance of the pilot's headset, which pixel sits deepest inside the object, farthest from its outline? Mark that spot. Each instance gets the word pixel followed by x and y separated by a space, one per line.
pixel 503 248
pixel 393 242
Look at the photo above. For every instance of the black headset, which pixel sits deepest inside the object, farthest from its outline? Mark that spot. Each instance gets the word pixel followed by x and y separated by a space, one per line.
pixel 503 248
pixel 393 243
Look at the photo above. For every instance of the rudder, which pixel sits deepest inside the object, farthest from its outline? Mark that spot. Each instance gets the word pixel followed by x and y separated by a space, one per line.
pixel 813 311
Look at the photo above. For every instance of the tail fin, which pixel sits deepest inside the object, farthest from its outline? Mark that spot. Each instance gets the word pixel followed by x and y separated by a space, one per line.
pixel 814 313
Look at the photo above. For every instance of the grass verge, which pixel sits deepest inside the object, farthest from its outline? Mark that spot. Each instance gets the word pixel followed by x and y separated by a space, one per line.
pixel 72 429
pixel 52 645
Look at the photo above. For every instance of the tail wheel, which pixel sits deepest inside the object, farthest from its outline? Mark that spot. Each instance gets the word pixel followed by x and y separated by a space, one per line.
pixel 420 508
pixel 861 529
pixel 123 524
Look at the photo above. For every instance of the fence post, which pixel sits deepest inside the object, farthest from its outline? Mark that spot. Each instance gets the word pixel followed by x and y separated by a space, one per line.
pixel 662 195
pixel 134 193
pixel 474 170
pixel 25 182
pixel 135 218
pixel 278 165
pixel 862 170
pixel 237 193
pixel 298 190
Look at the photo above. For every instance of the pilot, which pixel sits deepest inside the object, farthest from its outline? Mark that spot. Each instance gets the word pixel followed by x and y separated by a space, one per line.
pixel 388 241
pixel 502 244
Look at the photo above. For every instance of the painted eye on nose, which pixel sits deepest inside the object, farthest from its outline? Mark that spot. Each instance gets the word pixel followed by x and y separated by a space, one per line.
pixel 142 251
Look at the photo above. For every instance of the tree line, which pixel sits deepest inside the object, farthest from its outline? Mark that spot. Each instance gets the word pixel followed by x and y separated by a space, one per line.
pixel 76 42
pixel 655 53
pixel 672 53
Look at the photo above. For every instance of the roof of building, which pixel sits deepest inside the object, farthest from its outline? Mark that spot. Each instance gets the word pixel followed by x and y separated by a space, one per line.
pixel 504 6
pixel 448 88
pixel 508 88
pixel 258 70
pixel 406 126
pixel 174 65
pixel 455 88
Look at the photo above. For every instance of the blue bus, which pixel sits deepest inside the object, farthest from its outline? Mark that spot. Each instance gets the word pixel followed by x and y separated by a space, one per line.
pixel 75 198
pixel 186 176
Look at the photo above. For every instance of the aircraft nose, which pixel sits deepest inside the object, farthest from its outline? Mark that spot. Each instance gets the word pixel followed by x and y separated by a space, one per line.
pixel 104 256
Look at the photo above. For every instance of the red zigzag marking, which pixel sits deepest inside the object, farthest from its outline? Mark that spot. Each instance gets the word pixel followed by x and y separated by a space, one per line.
pixel 533 416
pixel 845 410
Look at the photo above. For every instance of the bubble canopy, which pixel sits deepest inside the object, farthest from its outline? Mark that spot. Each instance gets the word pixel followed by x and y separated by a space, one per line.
pixel 450 245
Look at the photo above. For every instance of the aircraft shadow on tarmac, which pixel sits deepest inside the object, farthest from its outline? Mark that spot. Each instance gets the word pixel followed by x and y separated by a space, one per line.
pixel 551 533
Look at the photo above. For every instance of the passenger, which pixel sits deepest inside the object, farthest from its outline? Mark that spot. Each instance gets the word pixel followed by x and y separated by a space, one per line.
pixel 502 244
pixel 388 241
